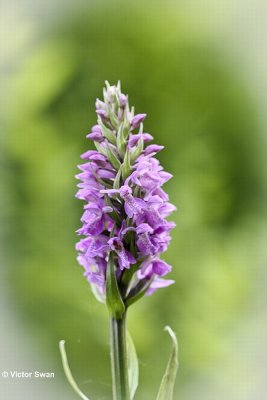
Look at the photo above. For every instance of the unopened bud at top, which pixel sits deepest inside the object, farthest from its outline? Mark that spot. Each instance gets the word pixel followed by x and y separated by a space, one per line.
pixel 123 100
pixel 110 93
pixel 100 105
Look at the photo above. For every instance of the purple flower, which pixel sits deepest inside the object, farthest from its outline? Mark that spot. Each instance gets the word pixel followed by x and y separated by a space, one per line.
pixel 133 206
pixel 125 258
pixel 144 240
pixel 125 205
pixel 153 266
pixel 94 219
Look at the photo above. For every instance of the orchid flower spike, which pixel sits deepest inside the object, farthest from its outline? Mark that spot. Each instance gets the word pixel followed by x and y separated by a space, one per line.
pixel 121 184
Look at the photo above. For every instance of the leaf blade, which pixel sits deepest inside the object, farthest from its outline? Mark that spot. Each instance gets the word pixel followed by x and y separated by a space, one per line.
pixel 67 371
pixel 168 380
pixel 133 367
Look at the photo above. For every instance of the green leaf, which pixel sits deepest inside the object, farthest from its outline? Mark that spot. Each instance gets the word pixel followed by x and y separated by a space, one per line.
pixel 68 371
pixel 113 298
pixel 133 368
pixel 168 380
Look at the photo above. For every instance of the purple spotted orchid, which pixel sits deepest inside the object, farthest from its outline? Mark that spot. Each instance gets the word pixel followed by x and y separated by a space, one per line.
pixel 124 231
pixel 126 207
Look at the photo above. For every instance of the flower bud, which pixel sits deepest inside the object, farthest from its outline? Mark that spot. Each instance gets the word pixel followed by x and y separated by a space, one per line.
pixel 96 136
pixel 102 114
pixel 110 94
pixel 123 100
pixel 137 119
pixel 100 105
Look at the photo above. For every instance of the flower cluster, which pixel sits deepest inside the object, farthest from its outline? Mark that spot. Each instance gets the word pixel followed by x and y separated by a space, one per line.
pixel 126 208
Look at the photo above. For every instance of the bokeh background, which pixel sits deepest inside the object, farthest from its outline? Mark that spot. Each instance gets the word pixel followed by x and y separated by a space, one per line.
pixel 197 68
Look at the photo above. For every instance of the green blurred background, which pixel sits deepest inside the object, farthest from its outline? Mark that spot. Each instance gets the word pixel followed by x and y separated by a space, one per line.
pixel 180 67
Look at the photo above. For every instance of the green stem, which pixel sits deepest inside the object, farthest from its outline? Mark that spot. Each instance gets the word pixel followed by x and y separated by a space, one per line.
pixel 120 382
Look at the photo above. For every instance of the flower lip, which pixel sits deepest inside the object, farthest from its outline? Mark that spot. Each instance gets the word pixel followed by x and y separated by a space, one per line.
pixel 115 243
pixel 144 228
pixel 125 191
pixel 161 268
